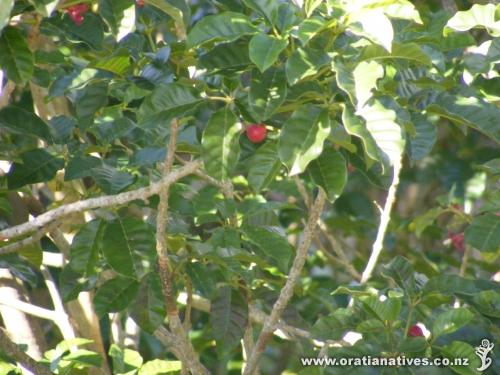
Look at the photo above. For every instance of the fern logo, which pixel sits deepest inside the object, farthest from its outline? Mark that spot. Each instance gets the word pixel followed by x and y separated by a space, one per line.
pixel 482 352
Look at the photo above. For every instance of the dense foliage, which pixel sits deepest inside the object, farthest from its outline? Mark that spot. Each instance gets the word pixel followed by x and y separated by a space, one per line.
pixel 283 101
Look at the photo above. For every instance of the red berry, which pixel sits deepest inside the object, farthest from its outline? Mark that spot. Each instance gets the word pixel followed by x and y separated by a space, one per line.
pixel 457 240
pixel 350 168
pixel 76 12
pixel 256 133
pixel 139 3
pixel 415 331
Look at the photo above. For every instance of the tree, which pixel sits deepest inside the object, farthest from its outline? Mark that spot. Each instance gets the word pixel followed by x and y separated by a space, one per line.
pixel 231 186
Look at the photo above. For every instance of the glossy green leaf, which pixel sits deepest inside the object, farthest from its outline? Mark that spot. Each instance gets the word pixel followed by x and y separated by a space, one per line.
pixel 301 139
pixel 265 49
pixel 220 143
pixel 226 26
pixel 311 5
pixel 373 24
pixel 18 120
pixel 120 16
pixel 81 166
pixel 272 245
pixel 410 52
pixel 355 126
pixel 484 233
pixel 329 172
pixel 89 32
pixel 450 321
pixel 86 246
pixel 309 28
pixel 117 64
pixel 333 326
pixel 472 111
pixel 264 166
pixel 381 122
pixel 456 285
pixel 459 349
pixel 115 295
pixel 478 15
pixel 228 318
pixel 5 10
pixel 488 303
pixel 387 310
pixel 148 308
pixel 110 179
pixel 35 166
pixel 267 93
pixel 173 11
pixel 125 361
pixel 126 243
pixel 420 145
pixel 90 99
pixel 226 56
pixel 423 221
pixel 84 358
pixel 264 7
pixel 401 272
pixel 305 62
pixel 16 58
pixel 160 367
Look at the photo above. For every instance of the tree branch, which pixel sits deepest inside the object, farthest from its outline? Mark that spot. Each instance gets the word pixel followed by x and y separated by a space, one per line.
pixel 13 351
pixel 103 201
pixel 384 222
pixel 287 291
pixel 15 246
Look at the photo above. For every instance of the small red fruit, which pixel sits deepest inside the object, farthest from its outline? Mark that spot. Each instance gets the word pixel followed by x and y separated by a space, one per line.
pixel 256 133
pixel 415 331
pixel 457 240
pixel 350 168
pixel 139 3
pixel 76 12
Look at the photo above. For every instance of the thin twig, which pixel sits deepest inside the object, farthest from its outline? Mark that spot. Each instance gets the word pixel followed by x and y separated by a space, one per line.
pixel 287 291
pixel 30 309
pixel 103 201
pixel 13 351
pixel 378 245
pixel 15 246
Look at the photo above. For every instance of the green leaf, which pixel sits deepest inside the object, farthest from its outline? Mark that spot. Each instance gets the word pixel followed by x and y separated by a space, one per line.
pixel 492 166
pixel 309 28
pixel 115 295
pixel 459 349
pixel 174 12
pixel 228 318
pixel 265 49
pixel 16 58
pixel 148 308
pixel 220 142
pixel 301 139
pixel 386 311
pixel 226 56
pixel 359 82
pixel 120 16
pixel 226 26
pixel 264 166
pixel 5 10
pixel 456 285
pixel 36 166
pixel 473 112
pixel 89 32
pixel 125 361
pixel 81 166
pixel 18 120
pixel 484 233
pixel 488 303
pixel 450 321
pixel 90 99
pixel 477 16
pixel 333 326
pixel 171 98
pixel 421 144
pixel 117 64
pixel 401 272
pixel 111 180
pixel 423 221
pixel 413 345
pixel 354 126
pixel 305 62
pixel 272 245
pixel 125 243
pixel 84 358
pixel 160 367
pixel 86 246
pixel 329 172
pixel 267 93
pixel 264 7
pixel 410 52
pixel 310 6
pixel 380 118
pixel 373 24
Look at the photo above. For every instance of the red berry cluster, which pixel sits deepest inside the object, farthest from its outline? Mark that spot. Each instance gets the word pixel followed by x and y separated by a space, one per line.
pixel 415 331
pixel 139 3
pixel 457 240
pixel 256 133
pixel 76 13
